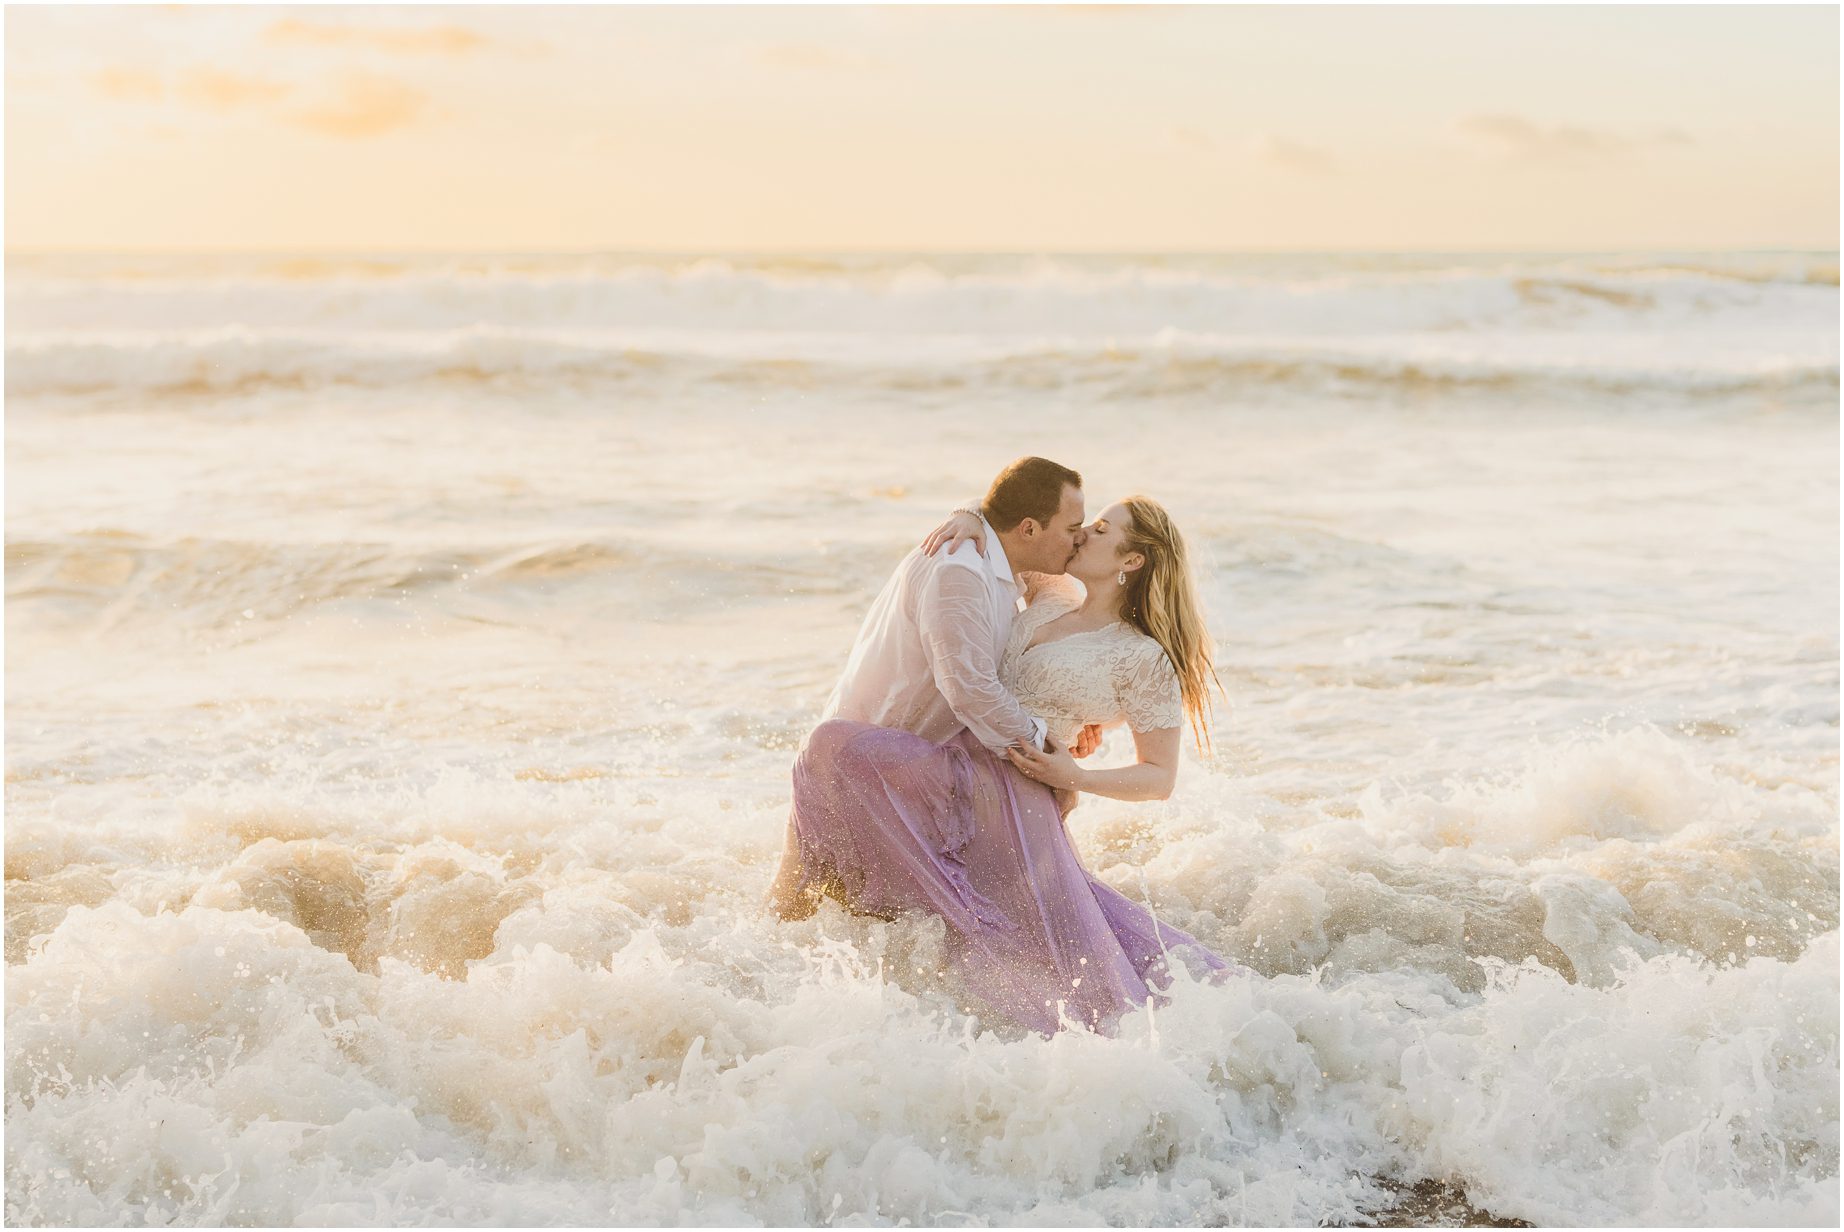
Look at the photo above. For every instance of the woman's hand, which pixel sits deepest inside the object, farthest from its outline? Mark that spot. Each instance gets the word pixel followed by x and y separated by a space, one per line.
pixel 1055 768
pixel 959 527
pixel 1087 740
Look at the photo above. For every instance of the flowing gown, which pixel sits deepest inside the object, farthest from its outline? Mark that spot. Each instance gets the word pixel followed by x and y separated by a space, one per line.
pixel 888 822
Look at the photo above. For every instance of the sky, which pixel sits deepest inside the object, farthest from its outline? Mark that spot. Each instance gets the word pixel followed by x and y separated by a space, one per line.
pixel 1033 128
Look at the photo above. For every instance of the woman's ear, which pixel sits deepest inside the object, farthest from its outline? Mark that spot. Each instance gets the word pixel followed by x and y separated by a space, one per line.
pixel 1133 561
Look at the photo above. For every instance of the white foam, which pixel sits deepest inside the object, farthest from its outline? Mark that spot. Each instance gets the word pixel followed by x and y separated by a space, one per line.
pixel 238 358
pixel 532 1002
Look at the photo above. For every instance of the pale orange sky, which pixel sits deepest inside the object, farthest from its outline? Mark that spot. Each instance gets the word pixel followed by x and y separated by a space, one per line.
pixel 1048 128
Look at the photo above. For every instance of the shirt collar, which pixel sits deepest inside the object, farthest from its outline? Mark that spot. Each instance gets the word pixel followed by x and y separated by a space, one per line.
pixel 1001 566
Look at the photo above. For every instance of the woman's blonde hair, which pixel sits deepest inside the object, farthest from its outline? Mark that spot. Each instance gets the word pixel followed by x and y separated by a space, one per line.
pixel 1160 600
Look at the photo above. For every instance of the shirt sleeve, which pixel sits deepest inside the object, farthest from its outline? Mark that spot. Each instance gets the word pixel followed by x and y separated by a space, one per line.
pixel 1147 689
pixel 954 613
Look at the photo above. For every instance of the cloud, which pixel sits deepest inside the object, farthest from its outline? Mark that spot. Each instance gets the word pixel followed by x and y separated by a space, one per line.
pixel 1094 10
pixel 1516 136
pixel 1191 139
pixel 1293 155
pixel 396 40
pixel 810 56
pixel 129 85
pixel 367 106
pixel 216 91
pixel 199 87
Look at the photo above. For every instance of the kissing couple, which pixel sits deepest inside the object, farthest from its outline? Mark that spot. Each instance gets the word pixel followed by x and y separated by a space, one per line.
pixel 940 775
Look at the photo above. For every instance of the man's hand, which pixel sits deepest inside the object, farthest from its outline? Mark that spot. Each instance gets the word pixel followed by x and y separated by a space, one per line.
pixel 1053 768
pixel 1087 740
pixel 951 533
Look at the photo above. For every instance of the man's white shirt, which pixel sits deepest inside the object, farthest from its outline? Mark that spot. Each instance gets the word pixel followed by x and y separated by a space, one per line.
pixel 927 658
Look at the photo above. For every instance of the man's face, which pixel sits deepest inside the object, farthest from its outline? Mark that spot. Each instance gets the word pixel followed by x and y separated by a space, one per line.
pixel 1055 545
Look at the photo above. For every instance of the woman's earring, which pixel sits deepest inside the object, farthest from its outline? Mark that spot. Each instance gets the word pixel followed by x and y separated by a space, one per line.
pixel 1120 579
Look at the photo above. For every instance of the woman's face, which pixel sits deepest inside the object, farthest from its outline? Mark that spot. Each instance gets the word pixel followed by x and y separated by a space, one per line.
pixel 1100 555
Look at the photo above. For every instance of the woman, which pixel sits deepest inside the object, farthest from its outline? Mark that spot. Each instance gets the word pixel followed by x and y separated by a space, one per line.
pixel 886 821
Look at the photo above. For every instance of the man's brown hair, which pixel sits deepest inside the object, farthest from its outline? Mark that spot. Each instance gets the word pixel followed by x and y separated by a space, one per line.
pixel 1028 488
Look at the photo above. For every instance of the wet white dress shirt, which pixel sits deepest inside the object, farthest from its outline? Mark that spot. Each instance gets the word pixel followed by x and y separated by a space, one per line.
pixel 927 658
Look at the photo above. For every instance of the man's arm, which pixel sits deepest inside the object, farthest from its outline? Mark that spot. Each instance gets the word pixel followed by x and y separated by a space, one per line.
pixel 954 612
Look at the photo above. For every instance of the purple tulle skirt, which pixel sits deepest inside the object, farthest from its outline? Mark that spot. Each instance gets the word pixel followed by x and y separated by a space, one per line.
pixel 888 822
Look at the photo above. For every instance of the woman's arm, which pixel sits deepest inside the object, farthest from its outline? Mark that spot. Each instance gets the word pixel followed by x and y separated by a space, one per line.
pixel 963 524
pixel 1152 777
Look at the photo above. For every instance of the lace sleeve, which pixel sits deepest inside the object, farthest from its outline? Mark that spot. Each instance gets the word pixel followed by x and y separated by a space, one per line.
pixel 1147 688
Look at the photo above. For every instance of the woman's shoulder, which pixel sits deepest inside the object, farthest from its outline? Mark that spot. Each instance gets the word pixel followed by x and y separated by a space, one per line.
pixel 1142 654
pixel 1145 681
pixel 1057 588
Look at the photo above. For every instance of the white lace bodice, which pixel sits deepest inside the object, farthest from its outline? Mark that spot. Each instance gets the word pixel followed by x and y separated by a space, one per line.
pixel 1095 677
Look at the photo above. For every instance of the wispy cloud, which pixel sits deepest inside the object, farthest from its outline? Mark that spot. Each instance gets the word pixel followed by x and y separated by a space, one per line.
pixel 397 40
pixel 810 56
pixel 1191 139
pixel 1094 10
pixel 1517 136
pixel 199 87
pixel 129 85
pixel 1293 155
pixel 359 104
pixel 367 106
pixel 217 91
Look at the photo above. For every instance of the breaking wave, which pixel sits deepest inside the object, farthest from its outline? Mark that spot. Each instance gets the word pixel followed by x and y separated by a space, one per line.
pixel 476 1003
pixel 1164 365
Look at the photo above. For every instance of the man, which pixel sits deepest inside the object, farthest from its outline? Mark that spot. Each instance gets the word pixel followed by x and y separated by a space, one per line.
pixel 927 657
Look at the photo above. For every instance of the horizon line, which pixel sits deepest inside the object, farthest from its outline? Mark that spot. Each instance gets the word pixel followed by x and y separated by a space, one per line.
pixel 775 251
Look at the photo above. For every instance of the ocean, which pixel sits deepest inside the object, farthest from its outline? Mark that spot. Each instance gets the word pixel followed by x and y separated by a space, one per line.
pixel 405 655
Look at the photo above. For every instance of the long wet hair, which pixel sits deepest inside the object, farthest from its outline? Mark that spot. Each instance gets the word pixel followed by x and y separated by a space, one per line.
pixel 1160 600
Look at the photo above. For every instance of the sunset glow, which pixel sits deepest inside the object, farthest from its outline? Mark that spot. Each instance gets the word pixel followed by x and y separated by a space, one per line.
pixel 1055 127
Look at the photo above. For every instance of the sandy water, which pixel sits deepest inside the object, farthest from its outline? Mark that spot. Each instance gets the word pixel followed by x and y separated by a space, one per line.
pixel 405 657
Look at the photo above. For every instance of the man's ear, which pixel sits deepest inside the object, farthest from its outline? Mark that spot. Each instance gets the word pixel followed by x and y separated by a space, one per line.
pixel 1027 528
